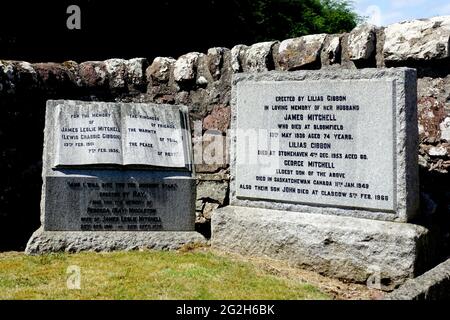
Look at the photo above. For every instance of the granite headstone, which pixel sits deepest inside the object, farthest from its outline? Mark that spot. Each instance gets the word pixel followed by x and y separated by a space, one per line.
pixel 323 168
pixel 116 167
pixel 344 145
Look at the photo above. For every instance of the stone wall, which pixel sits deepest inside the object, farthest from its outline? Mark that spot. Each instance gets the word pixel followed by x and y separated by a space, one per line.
pixel 432 285
pixel 202 82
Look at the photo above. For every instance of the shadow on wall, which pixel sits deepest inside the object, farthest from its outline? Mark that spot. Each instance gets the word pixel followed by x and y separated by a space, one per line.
pixel 22 118
pixel 433 68
pixel 25 88
pixel 36 31
pixel 434 205
pixel 22 125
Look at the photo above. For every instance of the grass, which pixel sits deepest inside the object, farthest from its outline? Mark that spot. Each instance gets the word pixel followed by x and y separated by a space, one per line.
pixel 191 275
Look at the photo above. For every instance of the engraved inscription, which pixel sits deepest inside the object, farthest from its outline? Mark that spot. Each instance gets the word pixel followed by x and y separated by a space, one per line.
pixel 112 204
pixel 317 143
pixel 119 134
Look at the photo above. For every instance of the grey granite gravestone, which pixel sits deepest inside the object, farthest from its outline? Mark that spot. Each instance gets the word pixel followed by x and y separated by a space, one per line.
pixel 116 176
pixel 322 164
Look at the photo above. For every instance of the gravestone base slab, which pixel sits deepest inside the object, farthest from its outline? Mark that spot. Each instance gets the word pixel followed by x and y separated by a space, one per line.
pixel 75 241
pixel 359 250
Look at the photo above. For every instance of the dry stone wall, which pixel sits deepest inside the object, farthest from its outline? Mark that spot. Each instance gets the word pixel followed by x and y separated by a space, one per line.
pixel 203 82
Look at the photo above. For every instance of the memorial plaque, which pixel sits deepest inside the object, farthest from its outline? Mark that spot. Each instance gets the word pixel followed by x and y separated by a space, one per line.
pixel 317 159
pixel 123 134
pixel 121 203
pixel 319 140
pixel 117 167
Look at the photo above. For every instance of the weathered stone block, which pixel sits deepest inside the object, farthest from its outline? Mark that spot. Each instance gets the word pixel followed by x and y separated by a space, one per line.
pixel 93 74
pixel 237 57
pixel 324 119
pixel 186 66
pixel 333 50
pixel 219 119
pixel 117 72
pixel 424 39
pixel 299 52
pixel 341 247
pixel 159 70
pixel 258 57
pixel 54 76
pixel 430 116
pixel 213 190
pixel 75 241
pixel 215 59
pixel 136 72
pixel 361 42
pixel 124 74
pixel 432 285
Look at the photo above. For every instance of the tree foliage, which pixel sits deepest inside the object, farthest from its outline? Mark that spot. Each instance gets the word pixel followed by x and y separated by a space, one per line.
pixel 150 28
pixel 260 20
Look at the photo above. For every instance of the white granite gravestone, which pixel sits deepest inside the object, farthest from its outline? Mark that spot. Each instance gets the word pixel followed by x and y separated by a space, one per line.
pixel 120 134
pixel 322 163
pixel 113 175
pixel 339 146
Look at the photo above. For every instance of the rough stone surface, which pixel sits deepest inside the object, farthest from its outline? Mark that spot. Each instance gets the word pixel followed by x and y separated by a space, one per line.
pixel 54 76
pixel 136 71
pixel 159 70
pixel 380 38
pixel 219 119
pixel 72 66
pixel 445 129
pixel 219 176
pixel 430 117
pixel 185 67
pixel 212 190
pixel 26 77
pixel 340 247
pixel 361 42
pixel 215 59
pixel 403 170
pixel 208 209
pixel 237 57
pixel 258 57
pixel 418 40
pixel 57 241
pixel 210 152
pixel 333 50
pixel 117 72
pixel 431 87
pixel 299 52
pixel 201 81
pixel 7 72
pixel 432 285
pixel 93 74
pixel 438 88
pixel 437 151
